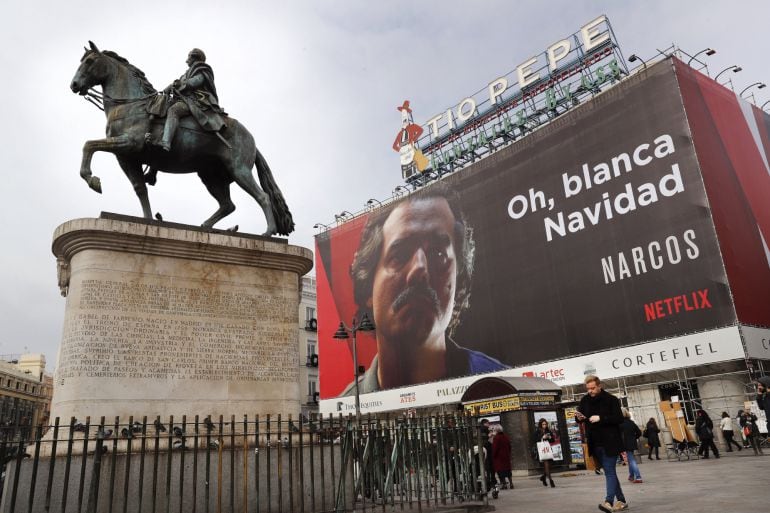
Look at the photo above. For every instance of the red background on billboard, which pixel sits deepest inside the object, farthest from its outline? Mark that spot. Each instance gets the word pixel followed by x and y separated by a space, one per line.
pixel 335 304
pixel 737 186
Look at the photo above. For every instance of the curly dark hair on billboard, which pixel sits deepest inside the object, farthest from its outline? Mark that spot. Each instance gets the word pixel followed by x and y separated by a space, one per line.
pixel 363 267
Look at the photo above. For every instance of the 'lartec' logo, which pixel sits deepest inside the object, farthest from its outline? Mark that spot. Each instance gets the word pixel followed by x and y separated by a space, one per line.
pixel 555 374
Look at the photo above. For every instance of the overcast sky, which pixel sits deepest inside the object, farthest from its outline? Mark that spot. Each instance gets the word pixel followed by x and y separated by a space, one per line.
pixel 316 82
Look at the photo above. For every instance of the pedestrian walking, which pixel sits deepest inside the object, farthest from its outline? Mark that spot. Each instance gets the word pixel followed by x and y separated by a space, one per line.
pixel 763 397
pixel 704 428
pixel 726 425
pixel 631 434
pixel 751 431
pixel 652 434
pixel 543 434
pixel 501 457
pixel 486 438
pixel 600 412
pixel 744 440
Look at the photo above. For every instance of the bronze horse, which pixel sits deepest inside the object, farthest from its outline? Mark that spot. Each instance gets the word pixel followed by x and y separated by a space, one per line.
pixel 126 94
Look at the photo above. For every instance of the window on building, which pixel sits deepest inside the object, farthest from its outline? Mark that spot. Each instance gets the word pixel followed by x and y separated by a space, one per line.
pixel 8 384
pixel 311 347
pixel 34 390
pixel 311 387
pixel 17 385
pixel 26 386
pixel 309 313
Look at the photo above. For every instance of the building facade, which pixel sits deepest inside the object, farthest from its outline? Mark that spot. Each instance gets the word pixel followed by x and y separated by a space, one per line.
pixel 626 238
pixel 25 394
pixel 308 347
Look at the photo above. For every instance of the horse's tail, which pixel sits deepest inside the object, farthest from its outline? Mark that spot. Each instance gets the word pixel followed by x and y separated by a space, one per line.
pixel 284 223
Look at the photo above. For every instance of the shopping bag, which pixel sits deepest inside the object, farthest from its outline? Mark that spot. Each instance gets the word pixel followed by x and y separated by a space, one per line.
pixel 544 451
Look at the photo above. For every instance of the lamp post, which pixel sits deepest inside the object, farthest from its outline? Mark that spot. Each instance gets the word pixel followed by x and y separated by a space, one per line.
pixel 707 51
pixel 734 67
pixel 371 202
pixel 763 105
pixel 633 58
pixel 342 216
pixel 318 226
pixel 760 85
pixel 399 190
pixel 342 334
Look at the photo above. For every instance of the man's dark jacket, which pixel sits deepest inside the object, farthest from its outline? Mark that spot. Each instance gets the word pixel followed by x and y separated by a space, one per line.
pixel 606 432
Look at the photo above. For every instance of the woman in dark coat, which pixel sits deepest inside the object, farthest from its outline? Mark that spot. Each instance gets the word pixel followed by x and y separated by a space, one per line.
pixel 631 434
pixel 652 434
pixel 704 428
pixel 543 434
pixel 501 456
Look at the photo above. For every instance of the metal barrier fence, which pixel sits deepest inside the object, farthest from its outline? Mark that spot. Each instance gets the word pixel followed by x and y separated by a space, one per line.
pixel 258 464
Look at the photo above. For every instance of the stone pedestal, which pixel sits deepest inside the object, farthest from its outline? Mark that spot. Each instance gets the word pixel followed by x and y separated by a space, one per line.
pixel 165 319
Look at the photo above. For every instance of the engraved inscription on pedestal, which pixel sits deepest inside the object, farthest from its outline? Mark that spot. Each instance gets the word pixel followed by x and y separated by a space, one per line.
pixel 126 329
pixel 149 333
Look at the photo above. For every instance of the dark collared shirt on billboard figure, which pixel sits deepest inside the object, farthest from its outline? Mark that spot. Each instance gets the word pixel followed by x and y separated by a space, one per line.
pixel 460 361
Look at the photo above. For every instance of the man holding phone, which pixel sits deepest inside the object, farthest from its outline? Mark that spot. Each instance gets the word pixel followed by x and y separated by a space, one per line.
pixel 600 412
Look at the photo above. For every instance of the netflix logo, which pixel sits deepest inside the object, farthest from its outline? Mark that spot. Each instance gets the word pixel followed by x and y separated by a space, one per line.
pixel 674 305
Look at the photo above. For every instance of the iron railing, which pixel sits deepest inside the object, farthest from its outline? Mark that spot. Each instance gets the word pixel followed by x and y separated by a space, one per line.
pixel 250 464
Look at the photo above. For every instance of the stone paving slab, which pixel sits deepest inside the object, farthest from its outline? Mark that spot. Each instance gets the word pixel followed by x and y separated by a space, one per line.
pixel 738 482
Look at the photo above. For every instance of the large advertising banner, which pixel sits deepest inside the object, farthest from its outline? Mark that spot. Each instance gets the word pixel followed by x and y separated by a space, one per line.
pixel 592 233
pixel 732 141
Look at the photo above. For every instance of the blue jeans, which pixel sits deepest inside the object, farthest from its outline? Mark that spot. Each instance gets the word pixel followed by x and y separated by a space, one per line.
pixel 610 476
pixel 633 466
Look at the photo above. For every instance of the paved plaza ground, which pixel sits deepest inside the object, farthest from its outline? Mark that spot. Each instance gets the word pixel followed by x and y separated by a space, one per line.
pixel 738 482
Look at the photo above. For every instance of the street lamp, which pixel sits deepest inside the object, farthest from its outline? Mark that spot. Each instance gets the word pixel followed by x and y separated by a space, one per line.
pixel 633 58
pixel 342 216
pixel 342 334
pixel 371 202
pixel 763 105
pixel 707 51
pixel 318 226
pixel 734 67
pixel 760 85
pixel 399 190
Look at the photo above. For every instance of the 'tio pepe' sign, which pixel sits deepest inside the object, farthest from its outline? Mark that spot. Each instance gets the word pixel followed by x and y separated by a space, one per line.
pixel 536 91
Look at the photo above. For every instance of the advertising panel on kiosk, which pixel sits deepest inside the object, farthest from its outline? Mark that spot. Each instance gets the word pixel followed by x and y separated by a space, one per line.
pixel 588 244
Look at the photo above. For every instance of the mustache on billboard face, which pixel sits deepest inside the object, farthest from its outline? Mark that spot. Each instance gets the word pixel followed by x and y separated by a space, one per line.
pixel 416 292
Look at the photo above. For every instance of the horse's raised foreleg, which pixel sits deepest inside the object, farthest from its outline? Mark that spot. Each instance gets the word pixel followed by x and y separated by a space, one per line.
pixel 108 144
pixel 219 187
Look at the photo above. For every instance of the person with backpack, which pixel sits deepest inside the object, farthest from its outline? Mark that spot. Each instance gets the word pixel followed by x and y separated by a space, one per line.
pixel 631 434
pixel 704 428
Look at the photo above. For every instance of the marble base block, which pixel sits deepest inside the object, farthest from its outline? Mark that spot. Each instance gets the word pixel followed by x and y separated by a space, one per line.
pixel 166 319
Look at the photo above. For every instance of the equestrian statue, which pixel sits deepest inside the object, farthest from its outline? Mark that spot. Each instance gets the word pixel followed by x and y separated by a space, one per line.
pixel 181 130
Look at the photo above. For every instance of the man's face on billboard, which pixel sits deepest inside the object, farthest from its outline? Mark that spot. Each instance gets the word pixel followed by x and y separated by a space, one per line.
pixel 415 278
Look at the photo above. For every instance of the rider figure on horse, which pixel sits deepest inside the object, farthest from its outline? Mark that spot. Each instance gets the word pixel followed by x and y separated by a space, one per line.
pixel 194 94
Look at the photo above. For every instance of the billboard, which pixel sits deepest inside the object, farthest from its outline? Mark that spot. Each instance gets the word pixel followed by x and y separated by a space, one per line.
pixel 591 234
pixel 732 141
